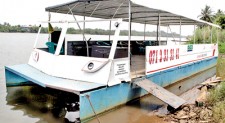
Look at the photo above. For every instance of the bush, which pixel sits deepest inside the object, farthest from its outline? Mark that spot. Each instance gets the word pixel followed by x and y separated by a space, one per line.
pixel 203 35
pixel 216 98
pixel 221 48
pixel 217 94
pixel 219 112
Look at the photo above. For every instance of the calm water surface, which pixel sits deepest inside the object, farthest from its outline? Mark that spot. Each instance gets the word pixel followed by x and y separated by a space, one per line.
pixel 33 104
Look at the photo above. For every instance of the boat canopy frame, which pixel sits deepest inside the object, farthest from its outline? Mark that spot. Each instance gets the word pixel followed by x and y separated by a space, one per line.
pixel 141 13
pixel 130 11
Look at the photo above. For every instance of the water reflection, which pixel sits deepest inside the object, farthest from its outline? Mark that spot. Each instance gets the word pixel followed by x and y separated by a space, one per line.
pixel 48 104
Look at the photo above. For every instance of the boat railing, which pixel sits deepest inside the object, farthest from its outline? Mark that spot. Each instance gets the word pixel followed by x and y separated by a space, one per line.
pixel 81 21
pixel 62 43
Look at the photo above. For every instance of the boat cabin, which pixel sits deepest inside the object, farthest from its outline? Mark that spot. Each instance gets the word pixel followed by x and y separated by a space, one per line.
pixel 108 62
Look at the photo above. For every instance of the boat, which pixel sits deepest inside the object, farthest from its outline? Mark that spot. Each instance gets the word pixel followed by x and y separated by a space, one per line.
pixel 105 74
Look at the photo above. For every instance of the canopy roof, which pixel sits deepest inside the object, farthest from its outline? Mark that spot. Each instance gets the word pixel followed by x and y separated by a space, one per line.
pixel 141 13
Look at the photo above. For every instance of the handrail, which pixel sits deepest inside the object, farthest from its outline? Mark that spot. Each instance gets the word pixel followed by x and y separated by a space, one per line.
pixel 98 20
pixel 36 39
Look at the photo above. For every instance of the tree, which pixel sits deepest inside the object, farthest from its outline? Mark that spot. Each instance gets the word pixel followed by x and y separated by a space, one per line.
pixel 206 14
pixel 221 21
pixel 219 13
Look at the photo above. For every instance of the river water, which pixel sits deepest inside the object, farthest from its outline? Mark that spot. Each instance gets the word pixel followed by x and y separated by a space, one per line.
pixel 34 104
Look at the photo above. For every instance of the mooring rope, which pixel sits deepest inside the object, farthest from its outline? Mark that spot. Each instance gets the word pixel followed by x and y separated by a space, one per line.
pixel 88 97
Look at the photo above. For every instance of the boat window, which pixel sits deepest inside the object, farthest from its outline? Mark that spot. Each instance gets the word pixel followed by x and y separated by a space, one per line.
pixel 99 46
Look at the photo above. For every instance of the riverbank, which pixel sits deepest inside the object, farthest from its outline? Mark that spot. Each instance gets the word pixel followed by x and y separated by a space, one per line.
pixel 207 103
pixel 205 106
pixel 216 100
pixel 217 96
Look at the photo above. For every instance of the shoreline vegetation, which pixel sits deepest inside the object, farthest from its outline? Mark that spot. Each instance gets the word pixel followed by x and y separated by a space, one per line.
pixel 6 27
pixel 207 34
pixel 207 105
pixel 203 35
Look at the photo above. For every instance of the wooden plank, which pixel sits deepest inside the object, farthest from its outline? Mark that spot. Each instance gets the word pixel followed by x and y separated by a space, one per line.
pixel 161 93
pixel 34 75
pixel 210 82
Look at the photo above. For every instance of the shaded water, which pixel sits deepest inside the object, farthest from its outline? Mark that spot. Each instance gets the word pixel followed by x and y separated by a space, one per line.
pixel 30 104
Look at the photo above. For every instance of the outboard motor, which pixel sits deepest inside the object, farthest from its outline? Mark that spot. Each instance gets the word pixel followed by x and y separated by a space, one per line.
pixel 72 112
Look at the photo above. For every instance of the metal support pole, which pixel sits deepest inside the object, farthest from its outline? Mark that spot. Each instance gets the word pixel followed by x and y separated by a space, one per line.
pixel 75 18
pixel 157 32
pixel 129 32
pixel 204 36
pixel 167 31
pixel 36 39
pixel 96 20
pixel 180 30
pixel 217 37
pixel 110 29
pixel 83 29
pixel 172 35
pixel 118 9
pixel 194 33
pixel 159 29
pixel 211 35
pixel 84 22
pixel 95 9
pixel 144 30
pixel 49 19
pixel 84 38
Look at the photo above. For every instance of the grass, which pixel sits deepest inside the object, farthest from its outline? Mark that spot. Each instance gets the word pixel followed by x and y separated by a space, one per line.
pixel 216 97
pixel 221 47
pixel 221 66
pixel 217 94
pixel 219 112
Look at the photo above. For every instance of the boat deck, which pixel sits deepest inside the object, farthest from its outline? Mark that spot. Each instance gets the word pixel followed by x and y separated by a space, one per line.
pixel 30 73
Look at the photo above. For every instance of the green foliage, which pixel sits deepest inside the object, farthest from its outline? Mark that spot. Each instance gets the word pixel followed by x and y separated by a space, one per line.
pixel 218 17
pixel 206 14
pixel 221 21
pixel 203 35
pixel 217 94
pixel 219 112
pixel 216 98
pixel 220 71
pixel 222 48
pixel 218 13
pixel 6 27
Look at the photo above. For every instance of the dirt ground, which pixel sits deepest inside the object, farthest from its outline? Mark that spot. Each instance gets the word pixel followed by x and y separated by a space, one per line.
pixel 195 110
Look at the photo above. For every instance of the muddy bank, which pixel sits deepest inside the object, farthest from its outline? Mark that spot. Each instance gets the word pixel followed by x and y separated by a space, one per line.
pixel 197 108
pixel 191 114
